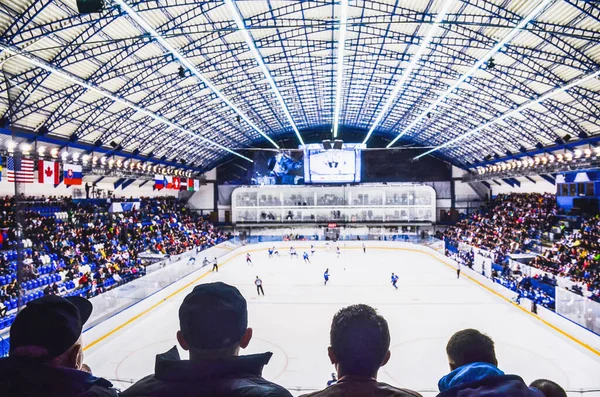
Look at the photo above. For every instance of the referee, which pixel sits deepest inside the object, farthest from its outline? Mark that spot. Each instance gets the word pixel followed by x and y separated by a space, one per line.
pixel 259 288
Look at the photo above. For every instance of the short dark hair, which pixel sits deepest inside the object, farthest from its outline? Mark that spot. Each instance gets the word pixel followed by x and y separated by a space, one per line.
pixel 360 339
pixel 549 388
pixel 470 346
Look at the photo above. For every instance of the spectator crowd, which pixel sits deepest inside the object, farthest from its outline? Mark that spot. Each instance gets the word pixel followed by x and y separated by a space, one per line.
pixel 90 250
pixel 515 223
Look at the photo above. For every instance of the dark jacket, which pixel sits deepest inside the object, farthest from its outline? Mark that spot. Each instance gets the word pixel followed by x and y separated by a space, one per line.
pixel 483 379
pixel 349 386
pixel 233 377
pixel 21 377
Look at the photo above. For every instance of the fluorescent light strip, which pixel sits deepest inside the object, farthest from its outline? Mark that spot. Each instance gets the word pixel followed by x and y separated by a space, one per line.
pixel 515 31
pixel 525 106
pixel 252 45
pixel 409 69
pixel 107 94
pixel 188 65
pixel 340 66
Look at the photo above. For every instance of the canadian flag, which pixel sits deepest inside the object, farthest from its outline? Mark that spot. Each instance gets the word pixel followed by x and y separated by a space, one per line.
pixel 48 172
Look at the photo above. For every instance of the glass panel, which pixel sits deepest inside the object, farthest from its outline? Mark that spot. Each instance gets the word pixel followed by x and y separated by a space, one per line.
pixel 572 189
pixel 589 189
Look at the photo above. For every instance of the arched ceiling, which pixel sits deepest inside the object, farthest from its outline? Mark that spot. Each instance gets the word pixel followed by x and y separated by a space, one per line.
pixel 262 72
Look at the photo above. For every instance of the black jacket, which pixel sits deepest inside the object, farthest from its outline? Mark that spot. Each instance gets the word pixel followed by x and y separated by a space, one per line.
pixel 21 377
pixel 234 377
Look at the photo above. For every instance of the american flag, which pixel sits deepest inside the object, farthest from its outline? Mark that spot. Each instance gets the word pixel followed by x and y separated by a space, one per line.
pixel 20 169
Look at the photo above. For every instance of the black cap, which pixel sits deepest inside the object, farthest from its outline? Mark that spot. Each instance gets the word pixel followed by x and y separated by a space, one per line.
pixel 51 323
pixel 213 316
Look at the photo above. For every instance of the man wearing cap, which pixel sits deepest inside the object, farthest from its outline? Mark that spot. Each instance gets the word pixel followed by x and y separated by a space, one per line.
pixel 46 354
pixel 213 322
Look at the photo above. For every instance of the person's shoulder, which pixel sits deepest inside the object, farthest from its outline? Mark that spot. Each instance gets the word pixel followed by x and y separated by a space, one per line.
pixel 141 387
pixel 398 392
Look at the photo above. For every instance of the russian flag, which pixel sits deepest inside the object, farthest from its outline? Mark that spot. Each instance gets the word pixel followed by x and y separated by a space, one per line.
pixel 48 172
pixel 159 182
pixel 72 174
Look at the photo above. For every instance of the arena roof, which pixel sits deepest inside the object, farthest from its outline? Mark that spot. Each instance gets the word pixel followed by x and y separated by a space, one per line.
pixel 470 80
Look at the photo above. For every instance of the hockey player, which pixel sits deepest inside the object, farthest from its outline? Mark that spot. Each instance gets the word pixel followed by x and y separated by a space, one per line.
pixel 312 250
pixel 326 276
pixel 215 265
pixel 394 280
pixel 306 258
pixel 249 260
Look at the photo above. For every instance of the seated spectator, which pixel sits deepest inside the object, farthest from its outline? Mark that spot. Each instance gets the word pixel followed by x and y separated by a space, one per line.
pixel 549 388
pixel 475 371
pixel 46 355
pixel 360 342
pixel 214 327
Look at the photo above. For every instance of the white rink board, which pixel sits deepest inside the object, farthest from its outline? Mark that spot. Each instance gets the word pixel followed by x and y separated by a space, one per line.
pixel 294 317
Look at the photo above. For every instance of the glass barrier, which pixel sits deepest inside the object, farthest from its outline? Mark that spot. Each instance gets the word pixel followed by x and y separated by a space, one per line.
pixel 579 309
pixel 158 276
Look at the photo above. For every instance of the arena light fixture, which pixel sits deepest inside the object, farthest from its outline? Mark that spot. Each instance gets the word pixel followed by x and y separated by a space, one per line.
pixel 433 29
pixel 64 155
pixel 125 164
pixel 587 152
pixel 41 151
pixel 85 158
pixel 54 152
pixel 103 160
pixel 474 69
pixel 42 64
pixel 531 103
pixel 111 163
pixel 551 158
pixel 25 148
pixel 119 163
pixel 241 25
pixel 11 146
pixel 568 156
pixel 191 67
pixel 578 153
pixel 339 83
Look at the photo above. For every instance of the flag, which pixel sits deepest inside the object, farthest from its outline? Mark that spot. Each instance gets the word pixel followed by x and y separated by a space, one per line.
pixel 20 169
pixel 160 182
pixel 48 172
pixel 72 174
pixel 183 184
pixel 168 182
pixel 176 183
pixel 196 185
pixel 190 184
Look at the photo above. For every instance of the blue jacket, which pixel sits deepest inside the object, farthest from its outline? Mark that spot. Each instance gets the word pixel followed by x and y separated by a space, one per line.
pixel 483 379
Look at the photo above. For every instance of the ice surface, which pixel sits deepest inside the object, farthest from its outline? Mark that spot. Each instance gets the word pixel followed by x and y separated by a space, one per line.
pixel 294 317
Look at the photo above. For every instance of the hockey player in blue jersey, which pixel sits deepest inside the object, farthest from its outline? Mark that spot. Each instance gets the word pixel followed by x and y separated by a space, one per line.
pixel 326 276
pixel 306 258
pixel 270 252
pixel 394 280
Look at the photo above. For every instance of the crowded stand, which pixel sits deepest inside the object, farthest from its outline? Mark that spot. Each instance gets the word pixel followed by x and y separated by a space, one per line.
pixel 79 248
pixel 516 224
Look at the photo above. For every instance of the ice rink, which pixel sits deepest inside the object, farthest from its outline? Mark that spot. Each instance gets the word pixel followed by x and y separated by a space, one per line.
pixel 294 317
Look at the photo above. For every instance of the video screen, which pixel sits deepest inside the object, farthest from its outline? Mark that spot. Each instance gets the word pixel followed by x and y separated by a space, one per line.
pixel 278 168
pixel 332 165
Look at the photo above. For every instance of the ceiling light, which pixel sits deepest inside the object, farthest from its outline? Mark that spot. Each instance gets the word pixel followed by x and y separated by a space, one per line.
pixel 64 155
pixel 41 150
pixel 578 153
pixel 119 163
pixel 25 148
pixel 54 152
pixel 75 156
pixel 11 145
pixel 587 152
pixel 551 158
